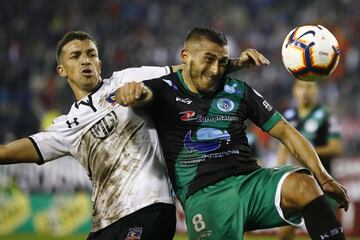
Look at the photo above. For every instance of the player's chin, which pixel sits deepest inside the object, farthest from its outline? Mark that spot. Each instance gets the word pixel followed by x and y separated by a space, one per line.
pixel 208 88
pixel 209 83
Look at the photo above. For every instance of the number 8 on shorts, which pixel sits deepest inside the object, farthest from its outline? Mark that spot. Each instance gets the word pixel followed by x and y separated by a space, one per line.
pixel 198 222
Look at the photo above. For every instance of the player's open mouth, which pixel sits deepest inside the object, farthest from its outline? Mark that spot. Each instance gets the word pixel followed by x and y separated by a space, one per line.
pixel 210 78
pixel 87 72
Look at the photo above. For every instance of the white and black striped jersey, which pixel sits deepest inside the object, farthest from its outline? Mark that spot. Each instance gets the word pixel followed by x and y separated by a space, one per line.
pixel 117 146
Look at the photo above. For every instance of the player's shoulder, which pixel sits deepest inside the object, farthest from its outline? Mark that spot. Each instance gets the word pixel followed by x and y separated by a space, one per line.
pixel 171 80
pixel 70 121
pixel 58 123
pixel 140 73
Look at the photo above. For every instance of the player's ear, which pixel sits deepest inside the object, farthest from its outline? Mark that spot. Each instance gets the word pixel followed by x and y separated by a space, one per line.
pixel 61 71
pixel 184 56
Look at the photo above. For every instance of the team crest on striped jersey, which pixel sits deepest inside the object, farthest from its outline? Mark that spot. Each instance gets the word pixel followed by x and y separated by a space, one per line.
pixel 134 233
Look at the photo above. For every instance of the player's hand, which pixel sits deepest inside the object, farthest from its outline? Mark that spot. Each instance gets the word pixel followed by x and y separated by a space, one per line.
pixel 251 57
pixel 131 93
pixel 337 191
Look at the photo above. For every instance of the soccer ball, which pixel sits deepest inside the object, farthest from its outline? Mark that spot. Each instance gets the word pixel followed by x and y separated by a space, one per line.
pixel 310 52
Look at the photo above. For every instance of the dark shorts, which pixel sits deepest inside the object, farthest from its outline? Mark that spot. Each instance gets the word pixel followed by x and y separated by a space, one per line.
pixel 157 221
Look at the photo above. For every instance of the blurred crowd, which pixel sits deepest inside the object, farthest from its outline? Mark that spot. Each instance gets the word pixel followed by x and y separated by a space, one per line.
pixel 139 32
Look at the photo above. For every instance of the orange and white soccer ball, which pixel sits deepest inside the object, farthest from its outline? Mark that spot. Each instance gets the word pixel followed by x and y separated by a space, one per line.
pixel 310 52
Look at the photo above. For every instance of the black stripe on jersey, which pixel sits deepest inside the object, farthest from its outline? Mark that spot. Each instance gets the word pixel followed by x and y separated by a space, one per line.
pixel 37 150
pixel 89 103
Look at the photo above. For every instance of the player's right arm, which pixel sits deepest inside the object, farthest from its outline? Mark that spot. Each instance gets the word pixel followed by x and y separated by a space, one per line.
pixel 305 154
pixel 134 94
pixel 19 151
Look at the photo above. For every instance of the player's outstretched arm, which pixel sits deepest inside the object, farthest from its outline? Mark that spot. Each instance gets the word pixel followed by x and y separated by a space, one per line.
pixel 303 152
pixel 133 94
pixel 19 151
pixel 248 58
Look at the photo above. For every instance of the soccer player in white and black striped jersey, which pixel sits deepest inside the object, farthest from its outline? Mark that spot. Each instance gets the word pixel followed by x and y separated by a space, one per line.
pixel 118 147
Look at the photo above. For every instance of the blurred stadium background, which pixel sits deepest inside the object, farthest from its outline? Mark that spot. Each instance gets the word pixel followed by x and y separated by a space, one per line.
pixel 53 201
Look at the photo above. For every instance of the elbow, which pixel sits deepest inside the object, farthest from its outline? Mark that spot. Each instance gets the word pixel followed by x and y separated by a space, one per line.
pixel 4 155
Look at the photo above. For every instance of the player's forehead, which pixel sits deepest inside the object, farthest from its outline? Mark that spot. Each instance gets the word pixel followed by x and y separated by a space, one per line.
pixel 205 47
pixel 77 45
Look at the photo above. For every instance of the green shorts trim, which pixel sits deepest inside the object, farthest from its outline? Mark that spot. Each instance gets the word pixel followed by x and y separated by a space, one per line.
pixel 278 197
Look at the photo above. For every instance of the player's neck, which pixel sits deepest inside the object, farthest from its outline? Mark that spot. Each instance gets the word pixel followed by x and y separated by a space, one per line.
pixel 188 81
pixel 79 93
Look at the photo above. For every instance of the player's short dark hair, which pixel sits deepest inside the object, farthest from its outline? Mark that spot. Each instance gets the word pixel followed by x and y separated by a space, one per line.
pixel 70 36
pixel 209 33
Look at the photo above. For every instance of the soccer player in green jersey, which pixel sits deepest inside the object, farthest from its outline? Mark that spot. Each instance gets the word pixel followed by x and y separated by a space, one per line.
pixel 200 115
pixel 317 124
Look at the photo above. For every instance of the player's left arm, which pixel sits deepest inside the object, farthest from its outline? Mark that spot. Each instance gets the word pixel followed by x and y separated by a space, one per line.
pixel 248 58
pixel 304 153
pixel 19 151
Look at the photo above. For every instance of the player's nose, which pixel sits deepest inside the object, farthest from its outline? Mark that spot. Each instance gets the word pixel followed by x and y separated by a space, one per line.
pixel 214 68
pixel 85 60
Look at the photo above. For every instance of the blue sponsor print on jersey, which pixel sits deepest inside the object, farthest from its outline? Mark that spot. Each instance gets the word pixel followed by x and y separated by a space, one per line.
pixel 134 233
pixel 111 98
pixel 207 140
pixel 232 89
pixel 225 104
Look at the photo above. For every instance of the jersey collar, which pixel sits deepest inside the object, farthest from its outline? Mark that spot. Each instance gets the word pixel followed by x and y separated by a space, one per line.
pixel 98 86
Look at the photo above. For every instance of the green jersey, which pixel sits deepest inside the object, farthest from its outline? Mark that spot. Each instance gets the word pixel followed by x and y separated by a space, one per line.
pixel 203 137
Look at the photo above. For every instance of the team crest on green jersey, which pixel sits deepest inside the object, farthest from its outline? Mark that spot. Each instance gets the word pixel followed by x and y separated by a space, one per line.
pixel 225 104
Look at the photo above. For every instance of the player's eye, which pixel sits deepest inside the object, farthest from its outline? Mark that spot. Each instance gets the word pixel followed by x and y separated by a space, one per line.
pixel 209 59
pixel 223 62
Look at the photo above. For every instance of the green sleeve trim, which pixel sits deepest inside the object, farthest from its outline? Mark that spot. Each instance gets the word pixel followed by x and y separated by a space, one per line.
pixel 271 122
